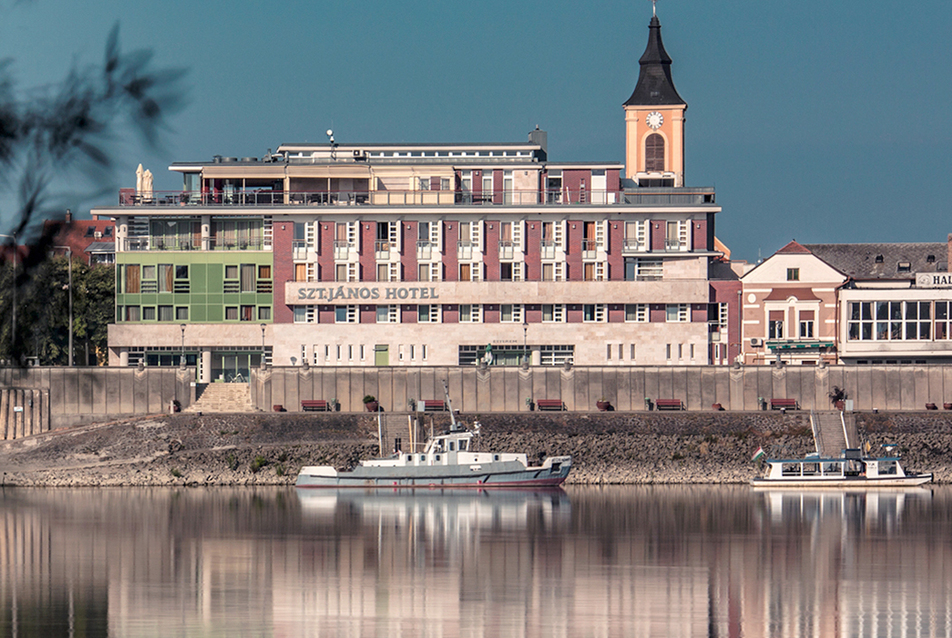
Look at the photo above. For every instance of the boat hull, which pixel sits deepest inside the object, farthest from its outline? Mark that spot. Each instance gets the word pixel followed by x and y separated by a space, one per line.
pixel 487 475
pixel 911 480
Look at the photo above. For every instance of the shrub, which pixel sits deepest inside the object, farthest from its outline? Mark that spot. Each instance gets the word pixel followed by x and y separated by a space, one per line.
pixel 177 473
pixel 258 463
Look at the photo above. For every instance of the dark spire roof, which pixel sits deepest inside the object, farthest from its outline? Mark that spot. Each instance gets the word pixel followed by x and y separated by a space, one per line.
pixel 655 86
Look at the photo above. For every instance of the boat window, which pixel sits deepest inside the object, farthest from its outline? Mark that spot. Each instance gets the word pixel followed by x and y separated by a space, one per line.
pixel 495 457
pixel 811 469
pixel 423 458
pixel 437 457
pixel 451 448
pixel 887 468
pixel 463 445
pixel 832 468
pixel 790 469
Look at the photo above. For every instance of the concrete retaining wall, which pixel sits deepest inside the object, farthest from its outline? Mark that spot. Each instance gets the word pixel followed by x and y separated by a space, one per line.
pixel 500 389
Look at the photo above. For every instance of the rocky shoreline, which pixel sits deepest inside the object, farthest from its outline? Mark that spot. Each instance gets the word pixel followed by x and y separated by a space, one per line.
pixel 607 448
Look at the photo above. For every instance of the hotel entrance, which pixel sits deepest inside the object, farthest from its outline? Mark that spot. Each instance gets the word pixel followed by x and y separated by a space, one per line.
pixel 233 367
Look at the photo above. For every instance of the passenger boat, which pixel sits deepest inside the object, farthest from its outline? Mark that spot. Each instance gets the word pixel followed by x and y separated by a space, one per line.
pixel 851 469
pixel 449 460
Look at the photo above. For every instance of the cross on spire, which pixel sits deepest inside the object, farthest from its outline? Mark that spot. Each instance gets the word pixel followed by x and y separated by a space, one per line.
pixel 654 7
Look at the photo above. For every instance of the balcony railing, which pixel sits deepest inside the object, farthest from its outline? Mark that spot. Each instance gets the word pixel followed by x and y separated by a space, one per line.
pixel 464 249
pixel 506 249
pixel 382 249
pixel 674 244
pixel 299 249
pixel 547 248
pixel 341 249
pixel 634 246
pixel 424 249
pixel 589 248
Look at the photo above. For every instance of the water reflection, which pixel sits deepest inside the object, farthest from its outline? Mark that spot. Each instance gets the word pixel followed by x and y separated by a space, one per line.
pixel 623 561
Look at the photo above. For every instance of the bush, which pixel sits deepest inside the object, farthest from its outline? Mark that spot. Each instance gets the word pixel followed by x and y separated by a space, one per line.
pixel 258 463
pixel 177 473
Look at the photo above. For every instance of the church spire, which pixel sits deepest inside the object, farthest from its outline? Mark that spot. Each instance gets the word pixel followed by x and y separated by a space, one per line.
pixel 655 86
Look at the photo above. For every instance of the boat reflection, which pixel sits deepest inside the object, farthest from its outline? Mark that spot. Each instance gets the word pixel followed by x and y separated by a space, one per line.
pixel 878 510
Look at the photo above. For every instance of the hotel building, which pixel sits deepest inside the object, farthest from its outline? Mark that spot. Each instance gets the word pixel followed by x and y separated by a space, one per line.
pixel 428 254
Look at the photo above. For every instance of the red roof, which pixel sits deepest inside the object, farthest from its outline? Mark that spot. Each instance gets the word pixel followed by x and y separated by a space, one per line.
pixel 794 248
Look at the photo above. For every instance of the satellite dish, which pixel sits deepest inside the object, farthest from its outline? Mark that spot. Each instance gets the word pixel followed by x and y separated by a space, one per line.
pixel 330 133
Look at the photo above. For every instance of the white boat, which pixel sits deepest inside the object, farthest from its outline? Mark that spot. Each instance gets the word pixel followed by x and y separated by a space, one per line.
pixel 851 469
pixel 448 460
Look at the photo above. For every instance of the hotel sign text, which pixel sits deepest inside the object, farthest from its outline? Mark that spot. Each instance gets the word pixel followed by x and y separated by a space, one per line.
pixel 330 294
pixel 933 280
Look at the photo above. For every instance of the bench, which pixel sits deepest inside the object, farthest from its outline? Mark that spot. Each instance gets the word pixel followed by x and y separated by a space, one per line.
pixel 314 405
pixel 669 404
pixel 717 407
pixel 278 408
pixel 784 404
pixel 931 406
pixel 434 405
pixel 550 404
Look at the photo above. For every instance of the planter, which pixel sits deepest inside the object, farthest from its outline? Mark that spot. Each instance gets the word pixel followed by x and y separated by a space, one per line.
pixel 372 406
pixel 840 405
pixel 603 406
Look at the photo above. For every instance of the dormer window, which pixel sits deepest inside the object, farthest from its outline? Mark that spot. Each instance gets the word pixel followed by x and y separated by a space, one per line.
pixel 904 266
pixel 930 259
pixel 879 259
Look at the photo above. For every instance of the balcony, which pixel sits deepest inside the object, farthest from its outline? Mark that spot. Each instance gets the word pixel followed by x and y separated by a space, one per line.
pixel 341 250
pixel 634 246
pixel 382 250
pixel 424 250
pixel 464 250
pixel 675 245
pixel 589 248
pixel 299 249
pixel 506 250
pixel 547 249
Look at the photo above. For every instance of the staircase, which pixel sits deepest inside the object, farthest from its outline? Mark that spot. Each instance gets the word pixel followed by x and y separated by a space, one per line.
pixel 224 397
pixel 833 432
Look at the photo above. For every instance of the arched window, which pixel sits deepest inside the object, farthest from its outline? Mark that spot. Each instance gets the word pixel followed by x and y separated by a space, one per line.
pixel 654 153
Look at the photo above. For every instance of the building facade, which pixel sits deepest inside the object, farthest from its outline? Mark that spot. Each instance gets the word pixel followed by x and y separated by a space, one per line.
pixel 427 254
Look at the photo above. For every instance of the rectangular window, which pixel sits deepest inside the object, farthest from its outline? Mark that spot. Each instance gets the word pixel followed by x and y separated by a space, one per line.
pixel 593 312
pixel 806 324
pixel 345 314
pixel 231 272
pixel 640 269
pixel 510 313
pixel 132 279
pixel 148 313
pixel 636 313
pixel 166 313
pixel 676 313
pixel 505 271
pixel 264 313
pixel 248 313
pixel 553 313
pixel 132 313
pixel 470 313
pixel 181 313
pixel 793 274
pixel 428 313
pixel 231 313
pixel 388 313
pixel 775 324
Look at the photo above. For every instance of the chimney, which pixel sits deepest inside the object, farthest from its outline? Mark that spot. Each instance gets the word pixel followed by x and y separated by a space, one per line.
pixel 69 220
pixel 540 137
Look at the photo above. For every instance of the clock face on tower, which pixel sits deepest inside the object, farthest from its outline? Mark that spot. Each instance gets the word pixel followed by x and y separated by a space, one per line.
pixel 654 120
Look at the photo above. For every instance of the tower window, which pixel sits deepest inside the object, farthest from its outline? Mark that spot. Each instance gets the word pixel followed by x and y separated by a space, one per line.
pixel 654 153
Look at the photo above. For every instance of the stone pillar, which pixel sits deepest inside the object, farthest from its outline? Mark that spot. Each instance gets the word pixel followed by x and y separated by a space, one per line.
pixel 124 357
pixel 205 367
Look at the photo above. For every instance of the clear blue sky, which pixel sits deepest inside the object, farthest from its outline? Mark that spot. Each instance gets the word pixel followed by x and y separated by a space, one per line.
pixel 819 121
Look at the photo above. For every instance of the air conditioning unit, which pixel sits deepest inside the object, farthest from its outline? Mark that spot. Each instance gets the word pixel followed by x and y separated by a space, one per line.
pixel 98 234
pixel 756 343
pixel 360 154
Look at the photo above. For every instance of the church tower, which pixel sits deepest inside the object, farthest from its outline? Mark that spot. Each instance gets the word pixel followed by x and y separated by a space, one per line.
pixel 654 119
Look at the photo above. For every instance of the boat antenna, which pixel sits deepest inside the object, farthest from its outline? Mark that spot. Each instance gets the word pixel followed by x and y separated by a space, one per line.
pixel 379 436
pixel 449 404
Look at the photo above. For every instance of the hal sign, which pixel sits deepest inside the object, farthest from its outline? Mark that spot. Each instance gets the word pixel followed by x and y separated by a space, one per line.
pixel 933 280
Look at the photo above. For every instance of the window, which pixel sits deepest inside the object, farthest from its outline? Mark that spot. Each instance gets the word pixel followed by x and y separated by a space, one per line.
pixel 636 312
pixel 248 282
pixel 676 313
pixel 132 279
pixel 505 271
pixel 470 313
pixel 775 324
pixel 556 355
pixel 345 314
pixel 636 236
pixel 181 313
pixel 593 312
pixel 428 313
pixel 942 320
pixel 553 313
pixel 388 313
pixel 231 272
pixel 640 269
pixel 806 324
pixel 793 274
pixel 132 313
pixel 896 321
pixel 593 271
pixel 231 313
pixel 470 272
pixel 166 313
pixel 654 153
pixel 553 272
pixel 264 313
pixel 305 314
pixel 148 313
pixel 510 313
pixel 248 313
pixel 181 272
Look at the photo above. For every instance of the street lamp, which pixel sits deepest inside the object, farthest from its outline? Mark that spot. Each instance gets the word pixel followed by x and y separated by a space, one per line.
pixel 525 348
pixel 262 345
pixel 13 315
pixel 182 361
pixel 69 256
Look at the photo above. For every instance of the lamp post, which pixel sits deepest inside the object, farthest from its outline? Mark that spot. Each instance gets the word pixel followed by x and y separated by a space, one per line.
pixel 525 335
pixel 262 345
pixel 69 256
pixel 182 360
pixel 13 285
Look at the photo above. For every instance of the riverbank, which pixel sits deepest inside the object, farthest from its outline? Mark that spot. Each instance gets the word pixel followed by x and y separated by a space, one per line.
pixel 610 447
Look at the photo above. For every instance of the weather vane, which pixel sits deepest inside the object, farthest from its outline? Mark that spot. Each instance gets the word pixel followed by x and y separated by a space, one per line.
pixel 654 7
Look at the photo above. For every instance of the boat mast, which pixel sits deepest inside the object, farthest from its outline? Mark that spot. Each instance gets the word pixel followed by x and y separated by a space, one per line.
pixel 449 404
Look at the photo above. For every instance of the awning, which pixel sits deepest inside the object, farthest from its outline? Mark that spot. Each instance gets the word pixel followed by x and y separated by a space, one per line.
pixel 799 345
pixel 800 294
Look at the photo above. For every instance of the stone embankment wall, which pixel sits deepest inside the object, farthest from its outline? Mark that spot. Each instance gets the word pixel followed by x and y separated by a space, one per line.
pixel 269 449
pixel 499 389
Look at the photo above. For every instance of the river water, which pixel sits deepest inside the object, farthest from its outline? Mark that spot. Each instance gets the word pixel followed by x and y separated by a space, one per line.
pixel 614 561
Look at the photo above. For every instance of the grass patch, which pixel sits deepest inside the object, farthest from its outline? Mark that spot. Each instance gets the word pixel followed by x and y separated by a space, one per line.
pixel 232 462
pixel 177 473
pixel 258 463
pixel 279 469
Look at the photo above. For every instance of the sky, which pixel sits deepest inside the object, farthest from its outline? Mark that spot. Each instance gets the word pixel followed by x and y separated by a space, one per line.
pixel 817 121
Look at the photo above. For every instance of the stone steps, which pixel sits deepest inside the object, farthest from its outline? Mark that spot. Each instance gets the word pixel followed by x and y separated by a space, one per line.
pixel 224 397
